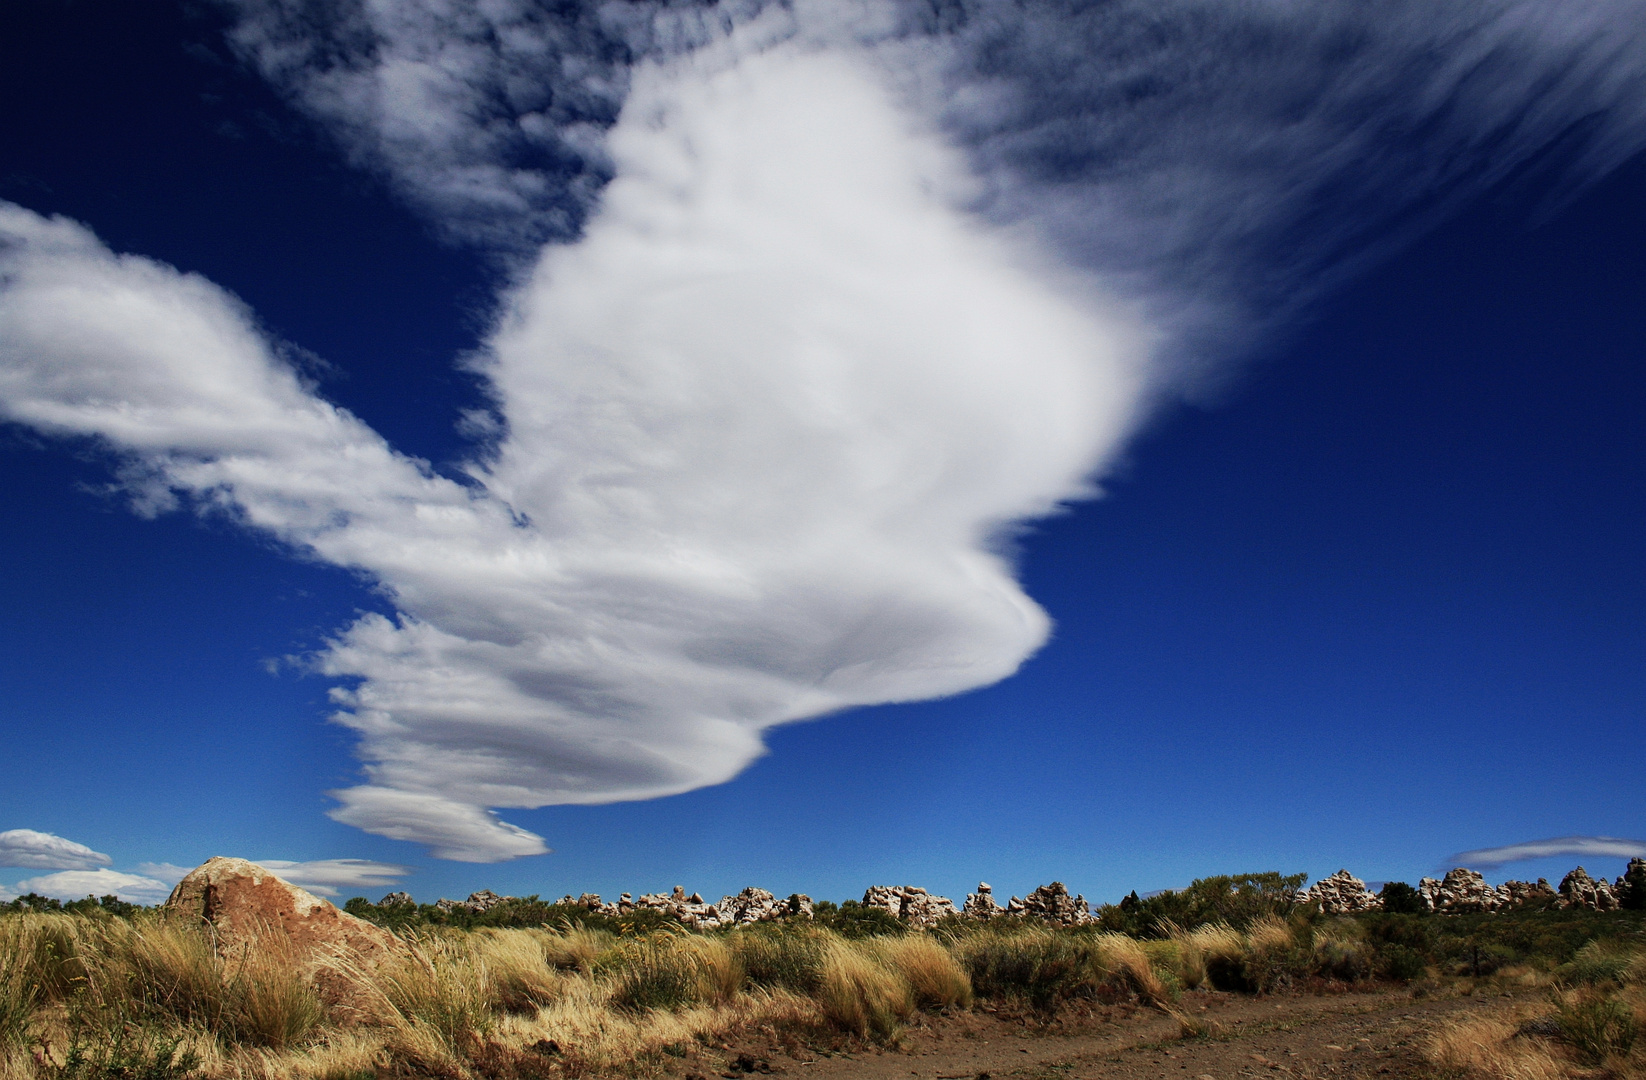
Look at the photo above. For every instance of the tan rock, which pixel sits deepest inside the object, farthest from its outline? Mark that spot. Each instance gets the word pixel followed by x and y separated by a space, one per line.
pixel 249 908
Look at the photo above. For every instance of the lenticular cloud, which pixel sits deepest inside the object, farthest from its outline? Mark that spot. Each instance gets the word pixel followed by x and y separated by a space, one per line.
pixel 834 294
pixel 764 427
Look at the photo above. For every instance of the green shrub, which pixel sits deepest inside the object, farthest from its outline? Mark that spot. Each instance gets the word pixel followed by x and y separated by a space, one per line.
pixel 853 920
pixel 1597 963
pixel 1401 964
pixel 1043 966
pixel 1237 899
pixel 671 971
pixel 1596 1026
pixel 780 957
pixel 126 1053
pixel 1400 898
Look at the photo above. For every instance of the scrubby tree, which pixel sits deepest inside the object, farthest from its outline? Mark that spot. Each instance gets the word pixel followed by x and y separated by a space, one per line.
pixel 1400 898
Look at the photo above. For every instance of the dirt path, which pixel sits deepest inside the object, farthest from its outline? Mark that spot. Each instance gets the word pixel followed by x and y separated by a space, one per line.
pixel 1369 1035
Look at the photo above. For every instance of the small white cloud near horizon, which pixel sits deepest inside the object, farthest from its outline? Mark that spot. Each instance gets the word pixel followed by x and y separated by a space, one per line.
pixel 1594 846
pixel 46 851
pixel 78 884
pixel 170 873
pixel 325 877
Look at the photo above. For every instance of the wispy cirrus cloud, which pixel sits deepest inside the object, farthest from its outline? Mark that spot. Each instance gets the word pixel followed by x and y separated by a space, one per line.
pixel 840 295
pixel 1591 846
pixel 47 851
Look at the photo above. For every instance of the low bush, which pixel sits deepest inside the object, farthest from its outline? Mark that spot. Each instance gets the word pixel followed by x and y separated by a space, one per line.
pixel 780 957
pixel 1595 1025
pixel 1597 963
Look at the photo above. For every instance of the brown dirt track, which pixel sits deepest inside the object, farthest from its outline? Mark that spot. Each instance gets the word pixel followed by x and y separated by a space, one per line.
pixel 1370 1034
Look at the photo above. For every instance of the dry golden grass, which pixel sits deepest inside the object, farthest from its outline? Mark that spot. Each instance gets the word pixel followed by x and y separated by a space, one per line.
pixel 932 973
pixel 1126 958
pixel 861 995
pixel 1201 946
pixel 1487 1047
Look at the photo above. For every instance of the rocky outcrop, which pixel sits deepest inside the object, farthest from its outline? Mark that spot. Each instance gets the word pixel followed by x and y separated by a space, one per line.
pixel 1534 894
pixel 910 903
pixel 1053 904
pixel 484 900
pixel 1579 890
pixel 1340 894
pixel 1461 891
pixel 397 900
pixel 980 904
pixel 752 905
pixel 248 908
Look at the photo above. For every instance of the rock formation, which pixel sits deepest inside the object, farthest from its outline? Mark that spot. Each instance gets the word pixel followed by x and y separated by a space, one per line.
pixel 1340 894
pixel 397 899
pixel 484 900
pixel 1459 892
pixel 1527 894
pixel 749 906
pixel 1579 890
pixel 249 908
pixel 910 903
pixel 1053 904
pixel 980 904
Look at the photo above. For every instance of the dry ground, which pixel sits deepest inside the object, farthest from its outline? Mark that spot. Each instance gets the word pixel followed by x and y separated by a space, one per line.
pixel 1372 1034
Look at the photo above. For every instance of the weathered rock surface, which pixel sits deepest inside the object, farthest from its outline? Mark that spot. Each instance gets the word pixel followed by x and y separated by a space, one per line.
pixel 1340 894
pixel 1053 904
pixel 980 904
pixel 1459 892
pixel 484 900
pixel 1537 893
pixel 1579 890
pixel 752 905
pixel 397 899
pixel 910 903
pixel 249 908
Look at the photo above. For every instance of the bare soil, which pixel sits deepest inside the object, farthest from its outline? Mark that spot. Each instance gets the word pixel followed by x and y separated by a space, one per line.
pixel 1377 1033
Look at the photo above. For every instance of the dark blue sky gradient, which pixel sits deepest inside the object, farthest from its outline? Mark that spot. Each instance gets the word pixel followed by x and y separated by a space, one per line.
pixel 1382 602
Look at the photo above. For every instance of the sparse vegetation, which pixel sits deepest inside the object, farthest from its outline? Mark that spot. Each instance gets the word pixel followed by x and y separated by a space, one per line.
pixel 94 990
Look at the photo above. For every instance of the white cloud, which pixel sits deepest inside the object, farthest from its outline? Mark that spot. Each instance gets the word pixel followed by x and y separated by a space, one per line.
pixel 45 851
pixel 764 430
pixel 77 884
pixel 325 876
pixel 1591 846
pixel 170 873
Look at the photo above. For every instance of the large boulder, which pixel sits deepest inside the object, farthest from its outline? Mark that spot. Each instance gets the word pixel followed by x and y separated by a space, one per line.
pixel 910 903
pixel 251 909
pixel 245 903
pixel 1340 894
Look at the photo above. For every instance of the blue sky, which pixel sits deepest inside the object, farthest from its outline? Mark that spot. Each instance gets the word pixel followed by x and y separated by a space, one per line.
pixel 1363 587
